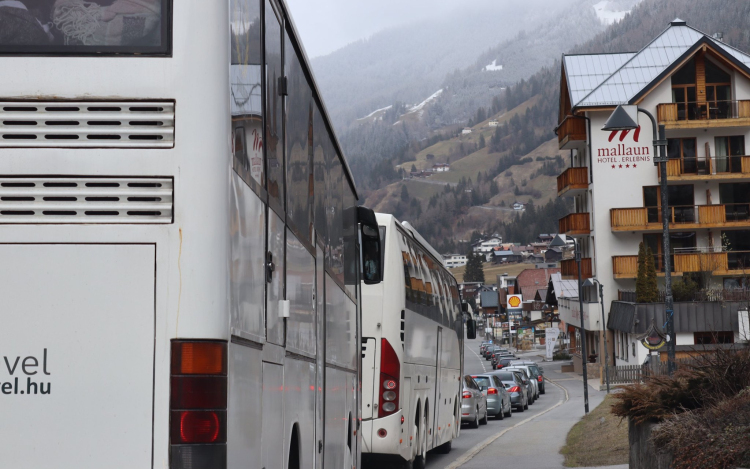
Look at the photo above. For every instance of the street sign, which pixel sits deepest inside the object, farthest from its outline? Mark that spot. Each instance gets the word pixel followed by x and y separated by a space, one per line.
pixel 550 339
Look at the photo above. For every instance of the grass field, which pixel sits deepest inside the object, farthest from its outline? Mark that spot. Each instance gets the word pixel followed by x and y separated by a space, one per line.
pixel 492 271
pixel 599 439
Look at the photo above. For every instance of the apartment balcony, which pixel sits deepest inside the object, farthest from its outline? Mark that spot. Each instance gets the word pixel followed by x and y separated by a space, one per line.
pixel 688 217
pixel 726 263
pixel 725 168
pixel 571 133
pixel 703 115
pixel 572 181
pixel 569 269
pixel 575 224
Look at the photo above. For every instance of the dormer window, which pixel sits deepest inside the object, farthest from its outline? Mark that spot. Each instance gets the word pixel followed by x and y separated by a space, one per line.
pixel 702 90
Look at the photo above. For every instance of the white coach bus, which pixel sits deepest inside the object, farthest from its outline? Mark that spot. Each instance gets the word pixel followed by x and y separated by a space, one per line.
pixel 178 242
pixel 412 351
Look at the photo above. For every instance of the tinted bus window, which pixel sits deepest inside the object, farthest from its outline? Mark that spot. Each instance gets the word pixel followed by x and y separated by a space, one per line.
pixel 245 88
pixel 75 27
pixel 274 143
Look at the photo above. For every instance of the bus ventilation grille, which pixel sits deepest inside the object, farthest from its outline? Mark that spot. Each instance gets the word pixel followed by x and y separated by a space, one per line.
pixel 85 200
pixel 64 124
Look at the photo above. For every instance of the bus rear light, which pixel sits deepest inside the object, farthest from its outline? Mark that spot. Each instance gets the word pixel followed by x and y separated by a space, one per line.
pixel 466 395
pixel 198 427
pixel 540 378
pixel 382 433
pixel 198 405
pixel 199 358
pixel 390 373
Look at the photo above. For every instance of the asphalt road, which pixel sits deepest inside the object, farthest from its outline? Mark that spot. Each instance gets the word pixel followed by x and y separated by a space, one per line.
pixel 529 439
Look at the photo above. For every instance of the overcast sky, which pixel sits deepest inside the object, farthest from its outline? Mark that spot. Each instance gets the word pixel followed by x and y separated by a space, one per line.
pixel 328 25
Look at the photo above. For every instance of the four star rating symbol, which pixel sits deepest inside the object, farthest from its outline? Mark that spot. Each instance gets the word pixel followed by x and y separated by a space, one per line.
pixel 614 166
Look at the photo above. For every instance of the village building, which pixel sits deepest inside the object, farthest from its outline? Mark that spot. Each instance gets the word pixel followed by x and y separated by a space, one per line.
pixel 454 260
pixel 698 87
pixel 441 168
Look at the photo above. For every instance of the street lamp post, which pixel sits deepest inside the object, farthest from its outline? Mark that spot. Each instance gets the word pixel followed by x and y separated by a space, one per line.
pixel 591 283
pixel 626 118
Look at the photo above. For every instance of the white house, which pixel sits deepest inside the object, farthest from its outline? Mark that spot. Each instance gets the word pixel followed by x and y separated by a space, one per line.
pixel 518 206
pixel 466 131
pixel 454 260
pixel 441 167
pixel 494 123
pixel 488 245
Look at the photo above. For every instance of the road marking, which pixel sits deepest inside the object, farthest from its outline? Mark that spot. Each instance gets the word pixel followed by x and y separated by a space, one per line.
pixel 469 455
pixel 481 362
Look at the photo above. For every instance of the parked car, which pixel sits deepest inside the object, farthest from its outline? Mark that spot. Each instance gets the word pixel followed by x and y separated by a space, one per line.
pixel 499 353
pixel 533 366
pixel 484 345
pixel 498 400
pixel 527 381
pixel 473 404
pixel 504 359
pixel 519 397
pixel 490 351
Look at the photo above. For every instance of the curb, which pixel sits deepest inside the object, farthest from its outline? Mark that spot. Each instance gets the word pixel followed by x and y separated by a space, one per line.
pixel 480 446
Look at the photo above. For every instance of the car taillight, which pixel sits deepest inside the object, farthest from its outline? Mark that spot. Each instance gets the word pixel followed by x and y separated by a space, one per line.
pixel 466 395
pixel 492 391
pixel 198 405
pixel 390 373
pixel 514 389
pixel 539 378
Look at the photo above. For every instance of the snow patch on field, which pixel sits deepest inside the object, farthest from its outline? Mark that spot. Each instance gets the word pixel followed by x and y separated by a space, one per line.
pixel 493 67
pixel 608 16
pixel 375 112
pixel 420 107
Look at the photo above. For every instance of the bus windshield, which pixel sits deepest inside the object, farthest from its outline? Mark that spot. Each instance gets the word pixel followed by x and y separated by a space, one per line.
pixel 78 27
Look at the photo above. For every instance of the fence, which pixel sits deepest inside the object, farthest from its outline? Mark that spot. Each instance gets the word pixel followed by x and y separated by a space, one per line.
pixel 707 295
pixel 630 374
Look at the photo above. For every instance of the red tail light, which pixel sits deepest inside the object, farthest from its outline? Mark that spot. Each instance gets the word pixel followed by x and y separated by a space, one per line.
pixel 466 395
pixel 514 389
pixel 492 391
pixel 390 375
pixel 540 378
pixel 198 405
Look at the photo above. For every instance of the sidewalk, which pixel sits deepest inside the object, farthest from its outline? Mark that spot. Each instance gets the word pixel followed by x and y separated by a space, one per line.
pixel 537 443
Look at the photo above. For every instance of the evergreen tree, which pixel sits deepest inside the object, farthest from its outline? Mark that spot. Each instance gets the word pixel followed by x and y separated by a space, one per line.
pixel 482 141
pixel 640 279
pixel 646 289
pixel 404 193
pixel 652 288
pixel 474 268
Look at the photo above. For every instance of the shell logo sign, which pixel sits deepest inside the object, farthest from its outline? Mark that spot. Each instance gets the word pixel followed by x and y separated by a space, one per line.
pixel 514 301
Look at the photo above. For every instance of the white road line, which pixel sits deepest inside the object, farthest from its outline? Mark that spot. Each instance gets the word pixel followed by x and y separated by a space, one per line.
pixel 481 362
pixel 469 455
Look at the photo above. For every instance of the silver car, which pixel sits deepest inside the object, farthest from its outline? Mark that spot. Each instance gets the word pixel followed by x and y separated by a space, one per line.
pixel 473 404
pixel 536 372
pixel 531 375
pixel 528 382
pixel 498 399
pixel 519 393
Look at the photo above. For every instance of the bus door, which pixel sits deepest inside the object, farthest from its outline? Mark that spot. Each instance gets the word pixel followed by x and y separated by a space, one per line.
pixel 320 305
pixel 438 381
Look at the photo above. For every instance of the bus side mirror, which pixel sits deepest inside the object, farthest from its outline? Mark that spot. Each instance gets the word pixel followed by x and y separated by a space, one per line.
pixel 371 246
pixel 471 329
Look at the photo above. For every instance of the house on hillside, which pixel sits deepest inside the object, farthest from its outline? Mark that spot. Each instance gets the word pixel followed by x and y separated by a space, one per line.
pixel 500 256
pixel 494 123
pixel 466 131
pixel 518 206
pixel 441 167
pixel 546 238
pixel 486 246
pixel 454 260
pixel 530 280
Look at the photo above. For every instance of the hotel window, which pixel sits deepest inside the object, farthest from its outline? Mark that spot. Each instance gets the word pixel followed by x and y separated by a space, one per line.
pixel 718 92
pixel 721 337
pixel 684 91
pixel 729 152
pixel 685 150
pixel 681 199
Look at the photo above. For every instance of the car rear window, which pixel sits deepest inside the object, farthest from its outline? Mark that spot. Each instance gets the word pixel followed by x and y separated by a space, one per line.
pixel 75 27
pixel 505 376
pixel 482 381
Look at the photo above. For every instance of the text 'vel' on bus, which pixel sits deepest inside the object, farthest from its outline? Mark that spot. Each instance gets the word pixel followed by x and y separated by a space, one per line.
pixel 178 242
pixel 412 351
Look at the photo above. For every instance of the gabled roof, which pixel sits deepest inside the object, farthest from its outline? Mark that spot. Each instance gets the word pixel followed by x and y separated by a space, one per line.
pixel 655 61
pixel 585 72
pixel 564 288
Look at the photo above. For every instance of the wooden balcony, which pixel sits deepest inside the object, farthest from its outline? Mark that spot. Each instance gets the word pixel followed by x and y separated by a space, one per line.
pixel 569 269
pixel 718 263
pixel 575 224
pixel 703 115
pixel 681 217
pixel 572 181
pixel 705 169
pixel 571 133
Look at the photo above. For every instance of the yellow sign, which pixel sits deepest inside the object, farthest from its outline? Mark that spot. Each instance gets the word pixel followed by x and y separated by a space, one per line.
pixel 514 301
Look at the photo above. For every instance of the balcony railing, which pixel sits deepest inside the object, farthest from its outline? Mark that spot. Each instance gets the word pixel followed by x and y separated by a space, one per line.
pixel 575 224
pixel 681 216
pixel 702 168
pixel 572 129
pixel 569 268
pixel 718 263
pixel 713 113
pixel 573 180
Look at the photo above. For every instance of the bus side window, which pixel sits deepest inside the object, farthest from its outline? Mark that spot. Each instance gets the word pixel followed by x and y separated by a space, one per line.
pixel 274 138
